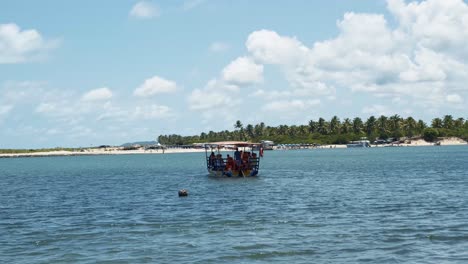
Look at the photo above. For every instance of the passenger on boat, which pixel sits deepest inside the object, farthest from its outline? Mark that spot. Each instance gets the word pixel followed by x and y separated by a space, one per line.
pixel 230 164
pixel 245 160
pixel 212 159
pixel 237 157
pixel 219 162
pixel 253 160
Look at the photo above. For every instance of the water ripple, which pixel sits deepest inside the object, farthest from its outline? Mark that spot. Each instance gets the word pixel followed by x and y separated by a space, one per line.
pixel 387 205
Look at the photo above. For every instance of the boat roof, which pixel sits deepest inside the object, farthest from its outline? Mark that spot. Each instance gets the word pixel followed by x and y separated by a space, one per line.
pixel 232 143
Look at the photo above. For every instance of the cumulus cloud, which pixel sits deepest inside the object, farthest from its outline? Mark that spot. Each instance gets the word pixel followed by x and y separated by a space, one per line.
pixel 155 85
pixel 215 95
pixel 293 57
pixel 97 94
pixel 270 48
pixel 422 58
pixel 18 45
pixel 243 71
pixel 144 10
pixel 220 96
pixel 435 24
pixel 85 119
pixel 217 100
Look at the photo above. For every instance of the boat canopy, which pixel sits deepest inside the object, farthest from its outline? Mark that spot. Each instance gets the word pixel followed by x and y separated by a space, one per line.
pixel 232 143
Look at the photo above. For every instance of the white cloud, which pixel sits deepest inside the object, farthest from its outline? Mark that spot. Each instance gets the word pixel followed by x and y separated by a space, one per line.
pixel 190 4
pixel 155 85
pixel 293 57
pixel 144 10
pixel 290 106
pixel 45 108
pixel 377 110
pixel 97 94
pixel 423 58
pixel 153 111
pixel 215 95
pixel 454 98
pixel 18 45
pixel 5 109
pixel 436 24
pixel 243 71
pixel 219 46
pixel 269 47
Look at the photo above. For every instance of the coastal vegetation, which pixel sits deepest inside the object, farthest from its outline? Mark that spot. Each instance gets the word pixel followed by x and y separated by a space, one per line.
pixel 333 131
pixel 25 151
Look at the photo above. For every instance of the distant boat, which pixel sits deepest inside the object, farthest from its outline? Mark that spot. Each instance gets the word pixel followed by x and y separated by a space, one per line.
pixel 363 143
pixel 267 144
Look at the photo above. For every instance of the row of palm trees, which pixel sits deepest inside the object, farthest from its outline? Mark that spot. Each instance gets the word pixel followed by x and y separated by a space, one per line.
pixel 332 131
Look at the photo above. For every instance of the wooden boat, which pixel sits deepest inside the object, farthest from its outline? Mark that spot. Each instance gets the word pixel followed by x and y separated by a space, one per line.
pixel 242 161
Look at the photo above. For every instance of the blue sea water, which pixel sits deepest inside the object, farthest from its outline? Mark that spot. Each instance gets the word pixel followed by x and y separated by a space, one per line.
pixel 377 205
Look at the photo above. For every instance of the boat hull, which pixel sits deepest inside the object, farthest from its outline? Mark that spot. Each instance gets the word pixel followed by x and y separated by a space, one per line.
pixel 233 173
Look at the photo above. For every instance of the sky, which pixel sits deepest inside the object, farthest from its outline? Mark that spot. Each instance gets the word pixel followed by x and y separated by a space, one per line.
pixel 88 73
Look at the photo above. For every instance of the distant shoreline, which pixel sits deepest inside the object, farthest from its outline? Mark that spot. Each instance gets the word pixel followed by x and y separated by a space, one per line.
pixel 99 152
pixel 452 141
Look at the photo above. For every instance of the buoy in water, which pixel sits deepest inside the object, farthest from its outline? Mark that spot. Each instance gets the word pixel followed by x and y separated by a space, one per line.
pixel 183 193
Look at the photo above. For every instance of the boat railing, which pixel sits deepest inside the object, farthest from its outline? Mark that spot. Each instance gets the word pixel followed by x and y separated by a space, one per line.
pixel 250 164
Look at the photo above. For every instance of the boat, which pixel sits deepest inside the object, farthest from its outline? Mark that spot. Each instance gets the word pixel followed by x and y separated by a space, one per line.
pixel 267 144
pixel 243 161
pixel 363 143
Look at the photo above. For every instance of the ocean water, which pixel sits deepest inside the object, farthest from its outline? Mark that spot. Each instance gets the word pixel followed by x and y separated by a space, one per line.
pixel 377 205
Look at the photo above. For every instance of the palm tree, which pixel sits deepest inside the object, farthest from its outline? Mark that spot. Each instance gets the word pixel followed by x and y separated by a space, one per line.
pixel 346 127
pixel 283 130
pixel 370 125
pixel 458 123
pixel 382 126
pixel 322 126
pixel 239 129
pixel 420 127
pixel 313 126
pixel 259 129
pixel 304 130
pixel 395 122
pixel 250 131
pixel 357 125
pixel 436 123
pixel 238 125
pixel 203 136
pixel 409 126
pixel 293 131
pixel 270 131
pixel 335 125
pixel 395 125
pixel 447 122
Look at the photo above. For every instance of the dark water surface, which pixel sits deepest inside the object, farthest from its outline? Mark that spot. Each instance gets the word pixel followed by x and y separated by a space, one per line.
pixel 378 205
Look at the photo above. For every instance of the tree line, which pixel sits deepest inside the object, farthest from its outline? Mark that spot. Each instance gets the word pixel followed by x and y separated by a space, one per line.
pixel 334 131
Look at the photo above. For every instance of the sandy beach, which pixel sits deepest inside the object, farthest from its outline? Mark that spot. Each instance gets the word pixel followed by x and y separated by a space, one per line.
pixel 106 151
pixel 451 141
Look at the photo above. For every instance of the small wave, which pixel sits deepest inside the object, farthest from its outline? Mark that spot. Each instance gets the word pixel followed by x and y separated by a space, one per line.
pixel 288 253
pixel 251 246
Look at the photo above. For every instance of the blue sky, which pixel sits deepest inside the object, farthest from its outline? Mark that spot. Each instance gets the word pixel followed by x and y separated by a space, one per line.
pixel 80 73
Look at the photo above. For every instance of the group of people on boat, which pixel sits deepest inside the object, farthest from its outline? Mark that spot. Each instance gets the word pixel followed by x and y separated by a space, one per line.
pixel 242 160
